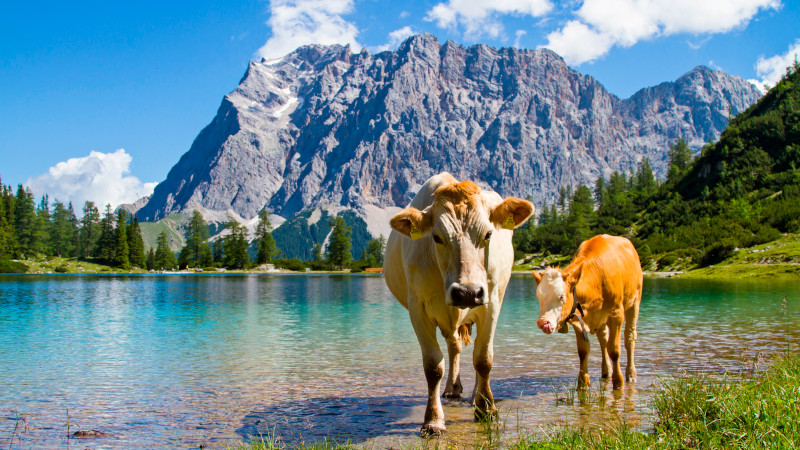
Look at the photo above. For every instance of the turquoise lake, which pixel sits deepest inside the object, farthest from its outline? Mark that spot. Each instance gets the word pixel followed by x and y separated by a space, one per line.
pixel 182 361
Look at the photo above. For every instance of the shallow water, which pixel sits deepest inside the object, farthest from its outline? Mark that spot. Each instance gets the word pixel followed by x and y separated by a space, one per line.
pixel 180 361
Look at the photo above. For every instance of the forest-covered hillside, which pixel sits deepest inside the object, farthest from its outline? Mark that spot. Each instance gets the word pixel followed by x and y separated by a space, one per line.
pixel 743 190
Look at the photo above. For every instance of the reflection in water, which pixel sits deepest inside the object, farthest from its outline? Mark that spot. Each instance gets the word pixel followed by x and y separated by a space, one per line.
pixel 170 361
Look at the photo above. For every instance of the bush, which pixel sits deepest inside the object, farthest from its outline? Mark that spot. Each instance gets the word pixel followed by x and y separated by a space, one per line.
pixel 718 252
pixel 61 269
pixel 8 266
pixel 667 260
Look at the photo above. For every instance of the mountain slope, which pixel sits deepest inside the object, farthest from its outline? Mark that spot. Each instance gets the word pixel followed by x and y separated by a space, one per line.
pixel 324 127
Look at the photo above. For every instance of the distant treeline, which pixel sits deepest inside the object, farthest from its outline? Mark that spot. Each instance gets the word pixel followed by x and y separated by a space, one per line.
pixel 742 191
pixel 29 230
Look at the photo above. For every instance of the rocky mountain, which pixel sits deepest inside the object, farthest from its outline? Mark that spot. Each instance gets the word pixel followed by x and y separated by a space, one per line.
pixel 326 127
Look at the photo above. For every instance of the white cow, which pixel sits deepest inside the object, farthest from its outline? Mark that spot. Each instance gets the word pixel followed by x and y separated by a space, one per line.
pixel 448 261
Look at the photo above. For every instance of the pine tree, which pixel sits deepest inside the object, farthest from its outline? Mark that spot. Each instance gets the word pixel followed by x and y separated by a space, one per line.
pixel 41 235
pixel 164 258
pixel 136 244
pixel 25 221
pixel 218 251
pixel 581 209
pixel 374 252
pixel 62 233
pixel 74 230
pixel 121 253
pixel 680 159
pixel 338 252
pixel 267 249
pixel 196 252
pixel 106 244
pixel 7 241
pixel 236 256
pixel 90 230
pixel 151 259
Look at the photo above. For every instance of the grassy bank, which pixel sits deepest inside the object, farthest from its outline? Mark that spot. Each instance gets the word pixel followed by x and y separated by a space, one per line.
pixel 758 410
pixel 779 259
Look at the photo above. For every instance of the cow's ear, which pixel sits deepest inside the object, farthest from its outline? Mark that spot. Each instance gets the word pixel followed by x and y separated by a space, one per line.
pixel 512 213
pixel 537 276
pixel 571 278
pixel 412 222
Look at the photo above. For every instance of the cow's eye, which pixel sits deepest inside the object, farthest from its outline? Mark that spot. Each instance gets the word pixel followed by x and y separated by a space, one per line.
pixel 437 239
pixel 487 237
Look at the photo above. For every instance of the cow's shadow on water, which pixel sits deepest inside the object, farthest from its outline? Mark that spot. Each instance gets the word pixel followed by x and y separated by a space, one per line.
pixel 358 419
pixel 340 419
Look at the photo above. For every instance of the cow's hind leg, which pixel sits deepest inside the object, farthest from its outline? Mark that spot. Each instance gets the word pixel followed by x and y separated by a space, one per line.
pixel 602 338
pixel 453 387
pixel 631 316
pixel 583 355
pixel 613 348
pixel 433 364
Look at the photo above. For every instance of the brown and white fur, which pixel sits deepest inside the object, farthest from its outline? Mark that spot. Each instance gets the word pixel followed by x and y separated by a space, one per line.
pixel 606 278
pixel 452 275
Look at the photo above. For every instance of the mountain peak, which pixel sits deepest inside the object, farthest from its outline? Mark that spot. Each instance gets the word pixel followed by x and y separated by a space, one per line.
pixel 325 127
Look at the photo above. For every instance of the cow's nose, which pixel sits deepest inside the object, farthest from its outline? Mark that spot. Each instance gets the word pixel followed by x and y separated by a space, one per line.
pixel 467 296
pixel 541 322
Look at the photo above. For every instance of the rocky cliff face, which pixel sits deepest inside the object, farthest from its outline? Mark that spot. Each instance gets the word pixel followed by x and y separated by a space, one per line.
pixel 324 127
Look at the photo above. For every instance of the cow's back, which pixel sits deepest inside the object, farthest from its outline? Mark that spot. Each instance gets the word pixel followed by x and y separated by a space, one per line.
pixel 611 266
pixel 400 252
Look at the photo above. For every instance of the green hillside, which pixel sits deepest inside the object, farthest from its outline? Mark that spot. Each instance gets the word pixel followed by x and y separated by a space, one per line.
pixel 296 238
pixel 172 225
pixel 742 191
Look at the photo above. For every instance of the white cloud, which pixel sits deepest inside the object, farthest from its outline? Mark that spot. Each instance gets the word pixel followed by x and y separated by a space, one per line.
pixel 396 38
pixel 299 22
pixel 603 24
pixel 519 34
pixel 770 70
pixel 480 18
pixel 100 177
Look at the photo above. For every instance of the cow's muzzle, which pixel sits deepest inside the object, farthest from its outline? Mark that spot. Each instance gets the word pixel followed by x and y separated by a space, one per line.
pixel 467 295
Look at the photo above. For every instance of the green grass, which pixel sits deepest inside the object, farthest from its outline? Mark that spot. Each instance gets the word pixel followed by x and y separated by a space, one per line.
pixel 779 259
pixel 172 225
pixel 55 264
pixel 756 410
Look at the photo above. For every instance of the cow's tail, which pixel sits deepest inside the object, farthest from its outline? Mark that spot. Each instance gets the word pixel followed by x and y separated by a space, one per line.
pixel 464 332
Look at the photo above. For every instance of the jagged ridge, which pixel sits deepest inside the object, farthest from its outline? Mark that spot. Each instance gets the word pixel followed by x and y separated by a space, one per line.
pixel 325 127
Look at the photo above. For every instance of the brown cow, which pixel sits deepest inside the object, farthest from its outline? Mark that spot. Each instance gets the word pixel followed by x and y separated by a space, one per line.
pixel 448 261
pixel 601 288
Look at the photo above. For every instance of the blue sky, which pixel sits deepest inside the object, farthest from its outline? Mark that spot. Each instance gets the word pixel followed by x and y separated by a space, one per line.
pixel 79 83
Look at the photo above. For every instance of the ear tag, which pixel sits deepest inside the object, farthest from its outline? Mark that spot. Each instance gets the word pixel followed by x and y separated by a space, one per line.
pixel 509 224
pixel 415 234
pixel 564 328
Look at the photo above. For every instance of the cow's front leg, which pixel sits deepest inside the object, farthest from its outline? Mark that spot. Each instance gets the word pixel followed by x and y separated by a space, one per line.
pixel 583 355
pixel 613 352
pixel 453 387
pixel 602 338
pixel 433 365
pixel 482 358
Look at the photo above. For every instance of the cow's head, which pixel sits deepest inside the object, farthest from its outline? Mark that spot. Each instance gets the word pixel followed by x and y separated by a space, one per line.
pixel 461 222
pixel 554 289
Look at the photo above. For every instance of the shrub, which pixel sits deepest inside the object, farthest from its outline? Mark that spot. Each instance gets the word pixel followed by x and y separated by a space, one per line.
pixel 61 269
pixel 667 260
pixel 718 252
pixel 8 266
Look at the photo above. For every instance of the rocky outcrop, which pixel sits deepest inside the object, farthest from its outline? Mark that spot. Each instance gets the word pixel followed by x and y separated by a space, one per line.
pixel 325 127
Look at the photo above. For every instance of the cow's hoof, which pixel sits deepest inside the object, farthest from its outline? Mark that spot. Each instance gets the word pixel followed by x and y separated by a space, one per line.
pixel 486 415
pixel 453 393
pixel 583 381
pixel 431 430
